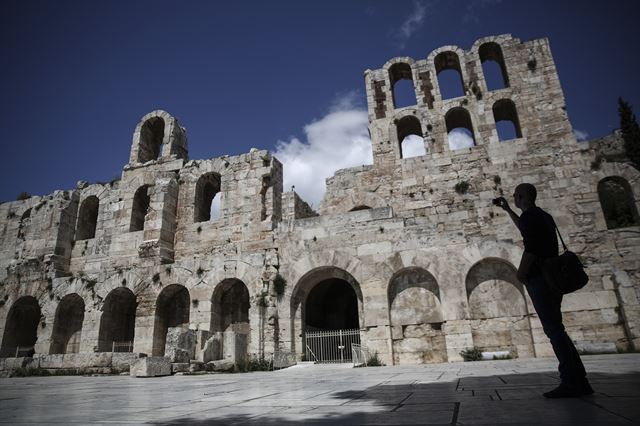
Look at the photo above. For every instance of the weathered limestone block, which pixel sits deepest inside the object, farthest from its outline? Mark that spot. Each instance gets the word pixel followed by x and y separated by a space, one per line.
pixel 596 347
pixel 202 336
pixel 19 362
pixel 180 345
pixel 234 345
pixel 84 360
pixel 153 366
pixel 49 361
pixel 212 348
pixel 195 366
pixel 220 365
pixel 122 361
pixel 179 367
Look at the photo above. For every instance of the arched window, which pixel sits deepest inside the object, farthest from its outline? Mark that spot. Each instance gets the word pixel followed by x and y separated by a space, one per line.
pixel 207 199
pixel 449 75
pixel 506 118
pixel 266 185
pixel 618 205
pixel 87 218
pixel 140 208
pixel 25 221
pixel 151 137
pixel 402 85
pixel 410 137
pixel 493 67
pixel 459 128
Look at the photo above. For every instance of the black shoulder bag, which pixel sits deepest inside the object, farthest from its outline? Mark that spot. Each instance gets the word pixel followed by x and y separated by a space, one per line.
pixel 565 273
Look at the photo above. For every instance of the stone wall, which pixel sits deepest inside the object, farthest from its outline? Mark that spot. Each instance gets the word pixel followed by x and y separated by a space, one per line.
pixel 409 250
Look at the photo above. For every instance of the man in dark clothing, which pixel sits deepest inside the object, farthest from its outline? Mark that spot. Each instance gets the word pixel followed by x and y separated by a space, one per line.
pixel 540 242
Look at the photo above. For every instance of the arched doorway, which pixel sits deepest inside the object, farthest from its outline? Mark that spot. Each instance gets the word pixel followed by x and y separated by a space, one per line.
pixel 21 328
pixel 172 310
pixel 416 317
pixel 67 326
pixel 326 313
pixel 498 309
pixel 117 324
pixel 230 319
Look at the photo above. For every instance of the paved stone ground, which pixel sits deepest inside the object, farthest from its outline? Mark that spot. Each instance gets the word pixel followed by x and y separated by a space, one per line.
pixel 478 393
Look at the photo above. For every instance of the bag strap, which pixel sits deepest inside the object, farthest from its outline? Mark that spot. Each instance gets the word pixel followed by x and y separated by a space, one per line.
pixel 560 235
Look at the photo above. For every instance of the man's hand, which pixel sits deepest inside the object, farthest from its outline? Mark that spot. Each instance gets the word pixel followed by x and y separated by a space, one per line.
pixel 502 203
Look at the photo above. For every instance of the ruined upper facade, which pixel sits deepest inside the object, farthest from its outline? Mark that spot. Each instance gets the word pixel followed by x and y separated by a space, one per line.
pixel 410 251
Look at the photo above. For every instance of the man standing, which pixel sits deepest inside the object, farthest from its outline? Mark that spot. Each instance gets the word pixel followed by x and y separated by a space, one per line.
pixel 540 242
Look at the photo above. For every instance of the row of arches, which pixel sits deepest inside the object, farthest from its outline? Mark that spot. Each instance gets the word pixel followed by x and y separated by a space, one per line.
pixel 229 312
pixel 459 126
pixel 449 75
pixel 206 207
pixel 329 298
pixel 615 194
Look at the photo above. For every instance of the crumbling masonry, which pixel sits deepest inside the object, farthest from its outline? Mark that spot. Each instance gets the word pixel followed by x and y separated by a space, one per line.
pixel 410 251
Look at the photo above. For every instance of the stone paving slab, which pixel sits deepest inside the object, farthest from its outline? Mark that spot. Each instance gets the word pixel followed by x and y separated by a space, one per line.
pixel 507 392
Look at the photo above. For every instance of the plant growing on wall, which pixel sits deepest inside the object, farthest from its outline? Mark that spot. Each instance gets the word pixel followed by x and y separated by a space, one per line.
pixel 279 284
pixel 462 187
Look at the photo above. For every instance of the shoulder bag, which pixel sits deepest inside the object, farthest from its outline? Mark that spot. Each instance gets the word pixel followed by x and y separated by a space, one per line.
pixel 565 273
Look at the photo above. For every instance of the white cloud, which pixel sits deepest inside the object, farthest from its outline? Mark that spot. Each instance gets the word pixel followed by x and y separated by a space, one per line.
pixel 580 135
pixel 215 207
pixel 413 146
pixel 411 23
pixel 460 138
pixel 338 140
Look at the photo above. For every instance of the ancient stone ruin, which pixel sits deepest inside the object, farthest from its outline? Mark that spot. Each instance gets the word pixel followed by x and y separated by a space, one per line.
pixel 407 253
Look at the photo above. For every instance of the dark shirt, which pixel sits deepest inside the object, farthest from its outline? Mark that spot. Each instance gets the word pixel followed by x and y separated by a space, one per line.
pixel 539 233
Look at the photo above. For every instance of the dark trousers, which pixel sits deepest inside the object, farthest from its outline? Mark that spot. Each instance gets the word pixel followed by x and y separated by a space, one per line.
pixel 547 305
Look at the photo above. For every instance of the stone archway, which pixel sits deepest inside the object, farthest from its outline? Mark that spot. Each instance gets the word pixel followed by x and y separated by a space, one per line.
pixel 498 308
pixel 67 326
pixel 21 328
pixel 416 317
pixel 230 319
pixel 172 310
pixel 324 299
pixel 117 324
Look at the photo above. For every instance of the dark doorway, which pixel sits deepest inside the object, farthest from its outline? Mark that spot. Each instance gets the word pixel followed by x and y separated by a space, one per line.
pixel 172 310
pixel 117 324
pixel 332 304
pixel 67 327
pixel 21 329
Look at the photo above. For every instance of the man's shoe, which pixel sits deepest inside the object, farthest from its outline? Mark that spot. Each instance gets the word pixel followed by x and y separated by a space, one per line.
pixel 566 390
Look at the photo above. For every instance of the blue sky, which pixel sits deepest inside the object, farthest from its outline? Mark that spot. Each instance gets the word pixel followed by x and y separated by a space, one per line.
pixel 286 76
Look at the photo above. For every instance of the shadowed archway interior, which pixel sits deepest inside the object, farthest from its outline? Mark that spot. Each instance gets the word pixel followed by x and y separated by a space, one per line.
pixel 331 305
pixel 21 328
pixel 172 310
pixel 117 323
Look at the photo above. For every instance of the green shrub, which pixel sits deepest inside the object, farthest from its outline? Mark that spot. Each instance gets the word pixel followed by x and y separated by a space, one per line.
pixel 472 354
pixel 251 363
pixel 23 196
pixel 374 361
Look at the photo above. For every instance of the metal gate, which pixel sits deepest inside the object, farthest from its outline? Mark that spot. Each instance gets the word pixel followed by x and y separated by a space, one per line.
pixel 330 346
